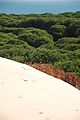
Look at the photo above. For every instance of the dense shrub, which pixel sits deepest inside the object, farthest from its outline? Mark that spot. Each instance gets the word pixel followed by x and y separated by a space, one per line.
pixel 68 43
pixel 57 31
pixel 70 66
pixel 77 33
pixel 36 37
pixel 48 46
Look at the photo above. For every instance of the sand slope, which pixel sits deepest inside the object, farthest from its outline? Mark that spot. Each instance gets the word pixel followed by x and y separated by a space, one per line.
pixel 28 94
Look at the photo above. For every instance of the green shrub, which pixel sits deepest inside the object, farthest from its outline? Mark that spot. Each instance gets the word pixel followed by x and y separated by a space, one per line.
pixel 36 37
pixel 57 31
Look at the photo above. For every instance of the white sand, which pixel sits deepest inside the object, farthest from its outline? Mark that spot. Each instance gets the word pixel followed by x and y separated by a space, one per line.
pixel 28 94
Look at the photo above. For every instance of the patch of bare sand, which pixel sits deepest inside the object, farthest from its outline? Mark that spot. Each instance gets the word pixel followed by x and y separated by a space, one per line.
pixel 28 94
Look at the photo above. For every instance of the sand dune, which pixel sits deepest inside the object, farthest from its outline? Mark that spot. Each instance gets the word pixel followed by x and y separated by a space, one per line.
pixel 28 94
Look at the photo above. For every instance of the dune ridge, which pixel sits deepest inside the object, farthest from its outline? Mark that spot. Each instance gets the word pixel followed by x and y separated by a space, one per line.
pixel 29 94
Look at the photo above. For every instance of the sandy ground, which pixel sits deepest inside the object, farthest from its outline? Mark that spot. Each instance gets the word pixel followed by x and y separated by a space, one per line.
pixel 28 94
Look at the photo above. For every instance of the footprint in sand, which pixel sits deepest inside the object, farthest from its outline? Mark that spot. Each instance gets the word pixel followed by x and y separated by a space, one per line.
pixel 77 110
pixel 25 80
pixel 2 83
pixel 25 68
pixel 19 97
pixel 40 113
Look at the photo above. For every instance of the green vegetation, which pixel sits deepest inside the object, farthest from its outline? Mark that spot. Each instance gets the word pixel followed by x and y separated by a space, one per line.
pixel 50 38
pixel 57 31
